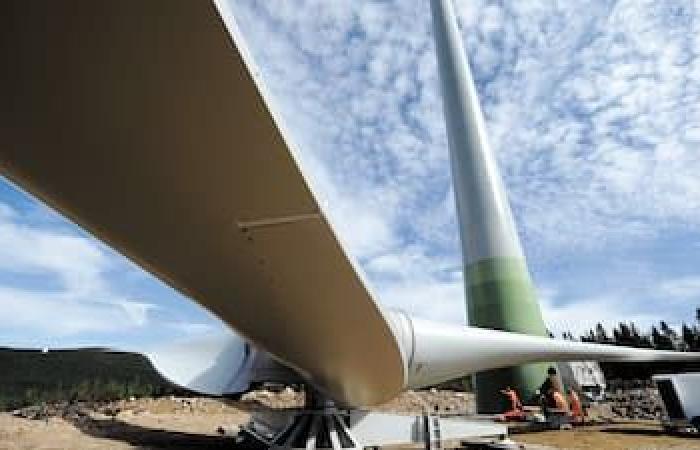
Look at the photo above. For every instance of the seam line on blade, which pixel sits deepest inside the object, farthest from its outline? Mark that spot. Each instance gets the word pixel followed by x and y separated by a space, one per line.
pixel 274 221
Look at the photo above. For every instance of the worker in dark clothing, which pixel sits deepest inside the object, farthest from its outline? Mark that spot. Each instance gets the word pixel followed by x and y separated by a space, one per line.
pixel 549 381
pixel 550 385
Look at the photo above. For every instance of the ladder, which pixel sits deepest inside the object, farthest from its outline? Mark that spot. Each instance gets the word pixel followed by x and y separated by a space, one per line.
pixel 431 432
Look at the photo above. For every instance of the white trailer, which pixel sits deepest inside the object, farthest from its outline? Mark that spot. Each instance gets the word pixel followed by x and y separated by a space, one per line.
pixel 586 377
pixel 681 396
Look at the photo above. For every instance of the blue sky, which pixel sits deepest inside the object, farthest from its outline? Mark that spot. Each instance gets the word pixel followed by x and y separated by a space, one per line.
pixel 593 110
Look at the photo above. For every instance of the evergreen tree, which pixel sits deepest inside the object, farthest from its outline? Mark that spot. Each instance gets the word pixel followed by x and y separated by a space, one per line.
pixel 667 331
pixel 600 335
pixel 661 340
pixel 629 338
pixel 645 341
pixel 691 338
pixel 635 335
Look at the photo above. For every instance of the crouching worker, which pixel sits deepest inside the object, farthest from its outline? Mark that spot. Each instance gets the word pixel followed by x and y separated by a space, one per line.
pixel 575 407
pixel 516 411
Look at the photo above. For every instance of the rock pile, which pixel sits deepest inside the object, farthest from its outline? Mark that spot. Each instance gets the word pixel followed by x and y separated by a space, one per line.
pixel 77 411
pixel 637 403
pixel 433 401
pixel 63 410
pixel 286 398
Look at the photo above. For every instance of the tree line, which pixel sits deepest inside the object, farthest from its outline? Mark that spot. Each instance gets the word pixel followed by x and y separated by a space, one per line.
pixel 31 377
pixel 659 337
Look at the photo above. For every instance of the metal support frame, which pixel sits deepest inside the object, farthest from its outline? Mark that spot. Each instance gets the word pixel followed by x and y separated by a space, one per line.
pixel 319 425
pixel 432 436
pixel 322 424
pixel 311 429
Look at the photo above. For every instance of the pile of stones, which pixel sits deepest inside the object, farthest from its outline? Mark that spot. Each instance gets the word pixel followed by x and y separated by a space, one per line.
pixel 443 402
pixel 283 399
pixel 640 401
pixel 64 410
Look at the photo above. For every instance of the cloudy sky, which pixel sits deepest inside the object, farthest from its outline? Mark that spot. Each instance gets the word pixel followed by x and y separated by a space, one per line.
pixel 593 110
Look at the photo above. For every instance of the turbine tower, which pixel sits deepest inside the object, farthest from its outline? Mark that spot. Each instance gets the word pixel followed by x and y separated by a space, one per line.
pixel 500 293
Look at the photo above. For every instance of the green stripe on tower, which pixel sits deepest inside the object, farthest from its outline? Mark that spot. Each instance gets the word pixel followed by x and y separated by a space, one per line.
pixel 500 295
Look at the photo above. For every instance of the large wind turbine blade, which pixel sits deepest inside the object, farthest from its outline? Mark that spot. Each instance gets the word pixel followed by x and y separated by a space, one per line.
pixel 215 364
pixel 444 352
pixel 146 123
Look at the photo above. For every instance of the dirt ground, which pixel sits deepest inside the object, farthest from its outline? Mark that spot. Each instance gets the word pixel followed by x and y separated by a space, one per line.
pixel 156 424
pixel 175 423
pixel 624 435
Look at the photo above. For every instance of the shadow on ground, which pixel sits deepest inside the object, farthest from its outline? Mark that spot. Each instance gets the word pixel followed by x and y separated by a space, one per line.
pixel 648 432
pixel 154 438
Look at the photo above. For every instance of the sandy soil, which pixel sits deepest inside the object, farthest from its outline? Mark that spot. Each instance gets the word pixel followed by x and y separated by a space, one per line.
pixel 157 424
pixel 623 435
pixel 192 424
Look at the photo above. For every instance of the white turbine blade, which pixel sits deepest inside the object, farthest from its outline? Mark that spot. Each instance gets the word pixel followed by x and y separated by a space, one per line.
pixel 146 124
pixel 215 364
pixel 444 352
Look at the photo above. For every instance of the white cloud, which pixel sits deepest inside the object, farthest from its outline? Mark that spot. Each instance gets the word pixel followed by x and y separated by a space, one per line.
pixel 583 314
pixel 592 110
pixel 6 213
pixel 190 329
pixel 671 299
pixel 442 301
pixel 568 88
pixel 46 315
pixel 75 261
pixel 136 312
pixel 681 289
pixel 420 284
pixel 69 291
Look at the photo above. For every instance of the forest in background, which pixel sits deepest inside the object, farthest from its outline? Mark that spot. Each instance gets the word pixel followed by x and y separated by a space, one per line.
pixel 659 337
pixel 30 377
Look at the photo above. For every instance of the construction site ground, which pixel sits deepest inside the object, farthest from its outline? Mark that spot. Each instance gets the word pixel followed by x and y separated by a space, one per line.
pixel 192 423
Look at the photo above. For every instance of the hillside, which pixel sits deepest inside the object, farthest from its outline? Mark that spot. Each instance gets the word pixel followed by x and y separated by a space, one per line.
pixel 32 376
